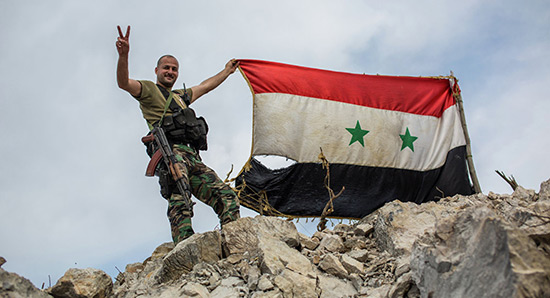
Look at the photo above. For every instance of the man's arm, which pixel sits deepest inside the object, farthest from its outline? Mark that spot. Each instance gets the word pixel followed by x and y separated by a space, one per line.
pixel 122 75
pixel 213 82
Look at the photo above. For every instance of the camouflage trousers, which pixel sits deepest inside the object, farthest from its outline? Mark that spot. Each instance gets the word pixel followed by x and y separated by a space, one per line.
pixel 206 186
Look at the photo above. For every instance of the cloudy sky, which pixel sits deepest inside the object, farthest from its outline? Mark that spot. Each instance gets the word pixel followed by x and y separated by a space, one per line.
pixel 72 186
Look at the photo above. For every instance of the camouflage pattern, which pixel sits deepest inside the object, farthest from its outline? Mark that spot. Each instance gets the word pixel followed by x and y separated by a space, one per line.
pixel 206 186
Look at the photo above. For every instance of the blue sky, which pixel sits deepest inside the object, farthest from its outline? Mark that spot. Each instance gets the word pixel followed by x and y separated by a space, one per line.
pixel 73 191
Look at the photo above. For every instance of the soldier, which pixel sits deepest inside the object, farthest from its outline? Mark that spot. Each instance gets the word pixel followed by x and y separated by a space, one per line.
pixel 199 179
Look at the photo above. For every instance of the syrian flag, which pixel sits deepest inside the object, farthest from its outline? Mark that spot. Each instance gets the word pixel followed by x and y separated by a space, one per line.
pixel 385 137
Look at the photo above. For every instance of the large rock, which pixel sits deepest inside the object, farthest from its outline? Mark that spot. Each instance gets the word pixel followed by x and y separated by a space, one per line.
pixel 331 286
pixel 296 285
pixel 193 289
pixel 244 234
pixel 138 278
pixel 83 283
pixel 332 243
pixel 544 192
pixel 198 248
pixel 399 224
pixel 15 286
pixel 275 256
pixel 332 265
pixel 475 254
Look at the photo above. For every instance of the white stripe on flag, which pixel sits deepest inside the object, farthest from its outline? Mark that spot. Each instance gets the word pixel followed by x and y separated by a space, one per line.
pixel 296 127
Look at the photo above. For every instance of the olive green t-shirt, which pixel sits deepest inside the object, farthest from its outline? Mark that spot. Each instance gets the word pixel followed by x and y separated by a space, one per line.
pixel 152 102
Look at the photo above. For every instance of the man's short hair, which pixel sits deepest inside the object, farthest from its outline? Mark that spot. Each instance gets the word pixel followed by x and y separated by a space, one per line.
pixel 165 56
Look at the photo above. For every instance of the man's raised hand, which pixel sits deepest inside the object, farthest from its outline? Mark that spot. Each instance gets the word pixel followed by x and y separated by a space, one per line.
pixel 123 41
pixel 232 65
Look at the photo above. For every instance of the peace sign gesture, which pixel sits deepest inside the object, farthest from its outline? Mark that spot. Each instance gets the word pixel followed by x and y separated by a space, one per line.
pixel 123 41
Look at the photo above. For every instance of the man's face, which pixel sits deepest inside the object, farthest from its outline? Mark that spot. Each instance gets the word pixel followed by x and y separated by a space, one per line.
pixel 167 72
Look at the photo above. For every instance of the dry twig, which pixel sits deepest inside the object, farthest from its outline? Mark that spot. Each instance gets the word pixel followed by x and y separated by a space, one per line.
pixel 510 180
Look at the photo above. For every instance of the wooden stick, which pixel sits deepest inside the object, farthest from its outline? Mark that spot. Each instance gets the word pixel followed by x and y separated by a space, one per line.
pixel 469 157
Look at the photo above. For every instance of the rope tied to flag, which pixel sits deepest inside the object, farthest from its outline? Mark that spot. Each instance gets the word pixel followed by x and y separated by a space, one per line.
pixel 329 207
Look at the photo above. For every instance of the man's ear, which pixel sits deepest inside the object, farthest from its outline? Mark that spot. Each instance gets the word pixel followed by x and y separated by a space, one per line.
pixel 156 70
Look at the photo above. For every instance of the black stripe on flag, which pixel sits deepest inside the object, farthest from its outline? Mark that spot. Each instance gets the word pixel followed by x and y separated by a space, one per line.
pixel 299 190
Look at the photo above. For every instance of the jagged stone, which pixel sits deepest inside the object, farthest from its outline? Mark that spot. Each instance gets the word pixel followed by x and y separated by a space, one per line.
pixel 245 268
pixel 136 282
pixel 162 250
pixel 363 229
pixel 229 288
pixel 356 281
pixel 244 234
pixel 2 261
pixel 134 268
pixel 264 284
pixel 307 242
pixel 234 258
pixel 331 265
pixel 77 283
pixel 544 192
pixel 294 284
pixel 193 289
pixel 402 269
pixel 361 255
pixel 316 259
pixel 198 248
pixel 402 287
pixel 276 293
pixel 484 257
pixel 399 224
pixel 204 274
pixel 253 277
pixel 376 292
pixel 275 256
pixel 320 235
pixel 524 195
pixel 331 286
pixel 355 242
pixel 341 229
pixel 352 265
pixel 332 243
pixel 13 285
pixel 380 270
pixel 226 269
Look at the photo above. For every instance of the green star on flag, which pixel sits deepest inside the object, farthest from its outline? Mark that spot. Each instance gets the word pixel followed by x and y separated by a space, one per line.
pixel 408 140
pixel 357 134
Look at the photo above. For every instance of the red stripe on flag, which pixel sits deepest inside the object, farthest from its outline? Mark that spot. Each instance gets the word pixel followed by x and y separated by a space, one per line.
pixel 422 96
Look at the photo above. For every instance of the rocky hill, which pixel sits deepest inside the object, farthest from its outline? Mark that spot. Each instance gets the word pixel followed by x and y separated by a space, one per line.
pixel 463 246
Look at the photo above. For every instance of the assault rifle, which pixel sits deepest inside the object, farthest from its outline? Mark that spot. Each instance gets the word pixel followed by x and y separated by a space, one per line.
pixel 164 151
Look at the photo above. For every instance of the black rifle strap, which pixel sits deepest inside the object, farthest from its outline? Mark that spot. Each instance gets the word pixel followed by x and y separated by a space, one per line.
pixel 174 107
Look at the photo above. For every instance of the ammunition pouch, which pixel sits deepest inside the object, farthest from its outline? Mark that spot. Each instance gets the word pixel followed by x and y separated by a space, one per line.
pixel 183 127
pixel 167 184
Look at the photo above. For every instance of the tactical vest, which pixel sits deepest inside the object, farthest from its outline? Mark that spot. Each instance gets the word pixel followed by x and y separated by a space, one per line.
pixel 183 126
